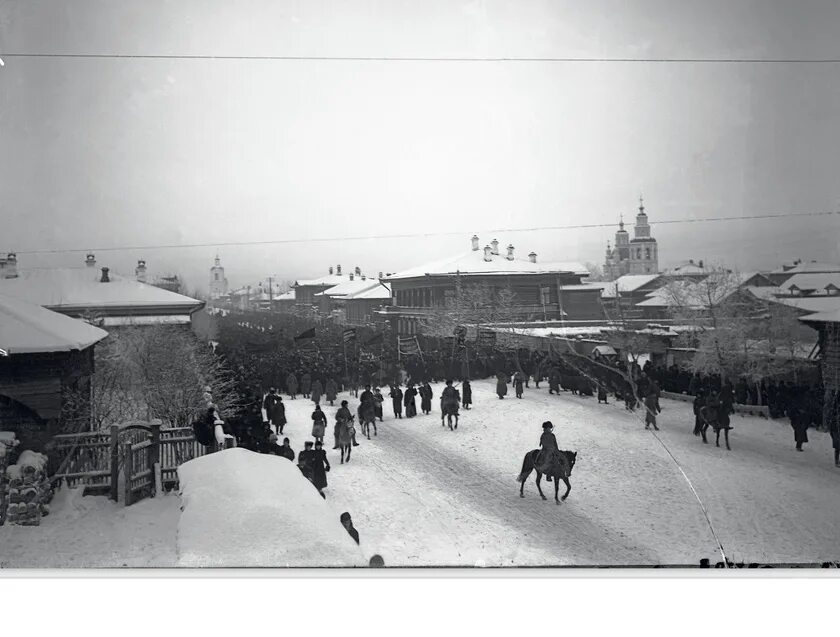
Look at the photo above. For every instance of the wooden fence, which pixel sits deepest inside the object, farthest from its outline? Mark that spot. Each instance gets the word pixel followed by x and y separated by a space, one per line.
pixel 144 456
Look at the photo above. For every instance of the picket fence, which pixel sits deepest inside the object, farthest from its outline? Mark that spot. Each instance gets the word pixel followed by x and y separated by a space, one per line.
pixel 142 458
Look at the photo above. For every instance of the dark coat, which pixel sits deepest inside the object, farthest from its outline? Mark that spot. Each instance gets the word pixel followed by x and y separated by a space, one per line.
pixel 291 384
pixel 467 394
pixel 426 398
pixel 397 396
pixel 320 466
pixel 287 452
pixel 331 390
pixel 501 384
pixel 274 409
pixel 306 460
pixel 319 423
pixel 305 383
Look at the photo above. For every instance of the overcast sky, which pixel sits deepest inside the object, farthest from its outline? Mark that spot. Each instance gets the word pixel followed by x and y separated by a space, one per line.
pixel 115 152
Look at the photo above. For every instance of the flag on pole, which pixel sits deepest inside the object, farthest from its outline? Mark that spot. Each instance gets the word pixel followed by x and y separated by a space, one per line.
pixel 349 335
pixel 310 333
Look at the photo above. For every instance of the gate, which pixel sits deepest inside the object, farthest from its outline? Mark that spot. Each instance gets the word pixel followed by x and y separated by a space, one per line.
pixel 138 459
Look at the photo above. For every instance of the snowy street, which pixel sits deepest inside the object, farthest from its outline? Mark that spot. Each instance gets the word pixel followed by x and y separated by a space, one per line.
pixel 422 495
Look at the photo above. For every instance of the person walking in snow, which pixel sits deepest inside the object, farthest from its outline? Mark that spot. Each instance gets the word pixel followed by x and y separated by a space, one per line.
pixel 408 399
pixel 466 399
pixel 331 391
pixel 275 411
pixel 319 424
pixel 518 379
pixel 306 384
pixel 320 467
pixel 426 398
pixel 501 385
pixel 306 459
pixel 292 385
pixel 378 399
pixel 317 391
pixel 396 396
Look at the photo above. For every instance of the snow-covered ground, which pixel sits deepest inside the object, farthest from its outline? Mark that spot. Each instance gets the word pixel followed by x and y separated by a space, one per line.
pixel 421 495
pixel 244 509
pixel 94 532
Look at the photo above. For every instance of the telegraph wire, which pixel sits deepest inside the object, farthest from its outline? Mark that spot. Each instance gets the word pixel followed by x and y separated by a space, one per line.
pixel 381 58
pixel 416 235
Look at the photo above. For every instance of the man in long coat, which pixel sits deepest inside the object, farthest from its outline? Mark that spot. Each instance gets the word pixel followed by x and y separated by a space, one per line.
pixel 501 385
pixel 305 384
pixel 397 398
pixel 275 410
pixel 320 467
pixel 331 391
pixel 317 390
pixel 292 385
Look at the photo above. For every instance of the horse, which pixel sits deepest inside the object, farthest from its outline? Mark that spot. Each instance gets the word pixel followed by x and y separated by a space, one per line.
pixel 345 438
pixel 709 417
pixel 449 408
pixel 367 417
pixel 557 472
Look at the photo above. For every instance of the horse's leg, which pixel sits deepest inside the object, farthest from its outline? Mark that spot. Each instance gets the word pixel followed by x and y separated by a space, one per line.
pixel 539 488
pixel 568 488
pixel 726 436
pixel 556 488
pixel 374 426
pixel 342 453
pixel 703 433
pixel 717 437
pixel 456 421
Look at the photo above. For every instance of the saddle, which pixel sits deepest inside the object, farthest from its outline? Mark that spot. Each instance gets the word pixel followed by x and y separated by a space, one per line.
pixel 552 462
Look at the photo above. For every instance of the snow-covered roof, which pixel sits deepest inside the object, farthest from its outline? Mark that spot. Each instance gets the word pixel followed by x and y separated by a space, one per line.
pixel 583 287
pixel 241 509
pixel 829 316
pixel 473 263
pixel 627 283
pixel 810 303
pixel 166 319
pixel 695 295
pixel 26 328
pixel 329 280
pixel 348 288
pixel 686 268
pixel 813 281
pixel 809 267
pixel 61 288
pixel 381 291
pixel 286 296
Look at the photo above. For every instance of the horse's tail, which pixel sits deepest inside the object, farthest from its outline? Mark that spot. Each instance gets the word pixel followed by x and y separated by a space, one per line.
pixel 527 467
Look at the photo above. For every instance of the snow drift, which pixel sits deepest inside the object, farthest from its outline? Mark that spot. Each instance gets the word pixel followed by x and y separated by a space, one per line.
pixel 241 509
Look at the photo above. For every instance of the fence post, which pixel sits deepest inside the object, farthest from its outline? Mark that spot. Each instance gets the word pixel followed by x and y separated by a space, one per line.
pixel 154 458
pixel 127 462
pixel 115 462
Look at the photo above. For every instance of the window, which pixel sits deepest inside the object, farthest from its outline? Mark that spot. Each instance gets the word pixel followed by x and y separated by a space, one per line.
pixel 217 276
pixel 647 253
pixel 639 254
pixel 545 295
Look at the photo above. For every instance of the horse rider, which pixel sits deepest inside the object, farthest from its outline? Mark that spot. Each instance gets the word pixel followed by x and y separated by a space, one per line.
pixel 367 395
pixel 449 394
pixel 550 452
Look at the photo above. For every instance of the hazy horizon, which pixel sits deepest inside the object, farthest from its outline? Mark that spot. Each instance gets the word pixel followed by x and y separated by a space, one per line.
pixel 136 152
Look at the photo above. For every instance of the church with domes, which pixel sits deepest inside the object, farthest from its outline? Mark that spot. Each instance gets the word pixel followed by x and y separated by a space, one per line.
pixel 638 255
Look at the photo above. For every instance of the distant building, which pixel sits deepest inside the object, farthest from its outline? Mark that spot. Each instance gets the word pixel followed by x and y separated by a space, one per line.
pixel 169 282
pixel 542 291
pixel 639 255
pixel 218 282
pixel 98 294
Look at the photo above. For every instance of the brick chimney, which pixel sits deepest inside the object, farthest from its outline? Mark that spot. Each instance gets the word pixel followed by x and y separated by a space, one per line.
pixel 488 253
pixel 90 261
pixel 104 278
pixel 532 257
pixel 495 244
pixel 331 269
pixel 380 275
pixel 475 243
pixel 338 270
pixel 510 252
pixel 140 271
pixel 351 276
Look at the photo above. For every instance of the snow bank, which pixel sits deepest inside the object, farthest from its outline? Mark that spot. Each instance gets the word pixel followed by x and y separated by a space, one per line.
pixel 247 509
